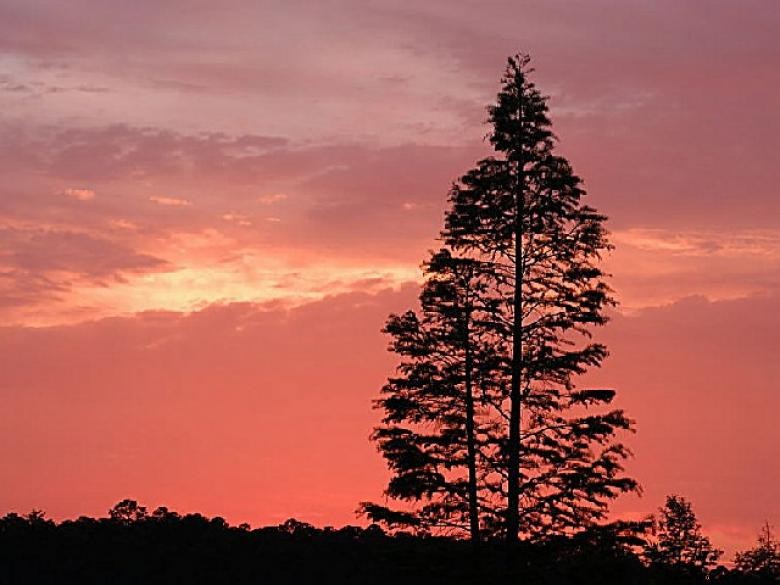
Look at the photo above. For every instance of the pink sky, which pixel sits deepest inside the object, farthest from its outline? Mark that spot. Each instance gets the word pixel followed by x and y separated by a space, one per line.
pixel 208 209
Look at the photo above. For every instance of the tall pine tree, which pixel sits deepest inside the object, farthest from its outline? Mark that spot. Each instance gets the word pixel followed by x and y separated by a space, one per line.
pixel 522 210
pixel 544 462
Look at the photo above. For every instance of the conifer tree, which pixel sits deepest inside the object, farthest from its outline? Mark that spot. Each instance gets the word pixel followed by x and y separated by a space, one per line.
pixel 432 434
pixel 679 543
pixel 484 422
pixel 763 560
pixel 522 211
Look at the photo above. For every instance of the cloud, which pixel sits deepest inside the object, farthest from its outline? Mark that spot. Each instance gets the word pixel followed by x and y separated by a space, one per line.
pixel 272 198
pixel 238 219
pixel 96 277
pixel 79 193
pixel 22 289
pixel 9 84
pixel 42 269
pixel 350 203
pixel 123 224
pixel 170 201
pixel 340 193
pixel 118 151
pixel 700 243
pixel 47 250
pixel 660 266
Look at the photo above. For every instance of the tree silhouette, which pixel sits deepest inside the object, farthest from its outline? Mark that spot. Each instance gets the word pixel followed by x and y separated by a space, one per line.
pixel 762 561
pixel 678 541
pixel 484 419
pixel 164 547
pixel 127 511
pixel 521 210
pixel 432 434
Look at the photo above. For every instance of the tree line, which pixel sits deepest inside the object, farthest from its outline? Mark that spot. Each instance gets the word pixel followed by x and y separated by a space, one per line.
pixel 135 545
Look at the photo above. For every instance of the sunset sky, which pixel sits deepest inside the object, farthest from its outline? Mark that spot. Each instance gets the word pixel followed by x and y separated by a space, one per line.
pixel 207 210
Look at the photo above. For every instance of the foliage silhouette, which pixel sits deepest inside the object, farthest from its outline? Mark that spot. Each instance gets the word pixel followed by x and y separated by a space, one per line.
pixel 763 560
pixel 164 547
pixel 432 435
pixel 484 429
pixel 678 544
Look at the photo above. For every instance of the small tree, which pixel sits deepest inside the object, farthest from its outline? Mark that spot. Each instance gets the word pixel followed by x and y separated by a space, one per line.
pixel 433 433
pixel 127 512
pixel 678 542
pixel 764 559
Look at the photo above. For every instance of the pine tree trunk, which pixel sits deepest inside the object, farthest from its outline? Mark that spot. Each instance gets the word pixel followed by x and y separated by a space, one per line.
pixel 471 445
pixel 513 476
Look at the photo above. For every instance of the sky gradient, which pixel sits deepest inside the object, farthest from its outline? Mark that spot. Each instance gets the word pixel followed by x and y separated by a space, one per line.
pixel 208 209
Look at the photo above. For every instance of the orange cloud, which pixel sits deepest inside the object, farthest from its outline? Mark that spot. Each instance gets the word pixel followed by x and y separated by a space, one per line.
pixel 273 198
pixel 238 219
pixel 654 267
pixel 79 193
pixel 123 224
pixel 171 201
